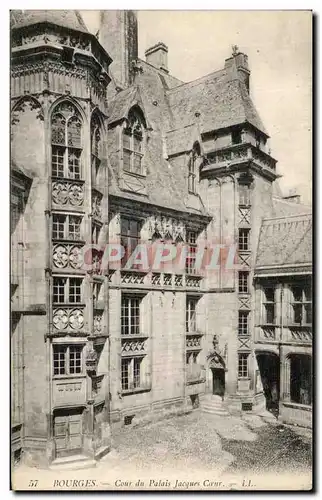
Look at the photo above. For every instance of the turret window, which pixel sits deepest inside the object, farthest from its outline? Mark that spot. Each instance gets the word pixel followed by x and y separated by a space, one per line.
pixel 66 141
pixel 96 147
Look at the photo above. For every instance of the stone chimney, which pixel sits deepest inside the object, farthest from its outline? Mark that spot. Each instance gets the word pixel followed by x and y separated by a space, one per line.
pixel 157 56
pixel 293 196
pixel 237 66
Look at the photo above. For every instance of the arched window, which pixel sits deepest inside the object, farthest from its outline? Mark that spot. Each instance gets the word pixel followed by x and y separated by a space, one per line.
pixel 192 174
pixel 66 142
pixel 133 145
pixel 96 146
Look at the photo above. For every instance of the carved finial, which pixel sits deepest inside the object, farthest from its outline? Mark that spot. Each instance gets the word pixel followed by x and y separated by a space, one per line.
pixel 215 342
pixel 235 50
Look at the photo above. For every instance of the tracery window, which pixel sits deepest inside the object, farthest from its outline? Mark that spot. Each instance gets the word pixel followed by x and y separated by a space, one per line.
pixel 96 146
pixel 133 145
pixel 66 142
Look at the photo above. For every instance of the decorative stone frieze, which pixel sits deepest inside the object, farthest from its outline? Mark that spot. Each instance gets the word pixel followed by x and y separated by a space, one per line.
pixel 68 193
pixel 68 318
pixel 67 255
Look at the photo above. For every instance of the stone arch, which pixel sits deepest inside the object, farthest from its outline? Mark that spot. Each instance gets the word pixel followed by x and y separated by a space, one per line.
pixel 216 374
pixel 136 111
pixel 97 115
pixel 215 360
pixel 73 102
pixel 21 103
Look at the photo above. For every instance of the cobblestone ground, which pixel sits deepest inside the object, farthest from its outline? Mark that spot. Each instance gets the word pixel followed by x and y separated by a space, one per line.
pixel 190 446
pixel 206 441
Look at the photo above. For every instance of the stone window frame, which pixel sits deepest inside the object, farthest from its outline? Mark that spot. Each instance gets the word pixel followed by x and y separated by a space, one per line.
pixel 133 320
pixel 132 373
pixel 65 287
pixel 193 165
pixel 244 194
pixel 244 239
pixel 96 146
pixel 192 357
pixel 301 304
pixel 66 144
pixel 192 239
pixel 268 304
pixel 134 130
pixel 243 282
pixel 130 237
pixel 243 327
pixel 243 365
pixel 191 314
pixel 67 234
pixel 63 364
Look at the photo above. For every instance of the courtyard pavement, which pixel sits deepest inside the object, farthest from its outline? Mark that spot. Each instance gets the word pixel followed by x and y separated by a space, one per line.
pixel 192 451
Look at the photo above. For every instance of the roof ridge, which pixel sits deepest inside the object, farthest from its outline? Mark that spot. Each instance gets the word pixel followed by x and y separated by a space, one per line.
pixel 160 71
pixel 304 215
pixel 199 80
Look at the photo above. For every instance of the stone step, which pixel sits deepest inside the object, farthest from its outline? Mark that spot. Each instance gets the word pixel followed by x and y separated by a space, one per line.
pixel 215 411
pixel 214 404
pixel 73 462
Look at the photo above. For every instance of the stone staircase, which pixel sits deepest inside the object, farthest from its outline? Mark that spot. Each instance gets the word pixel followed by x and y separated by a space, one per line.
pixel 213 404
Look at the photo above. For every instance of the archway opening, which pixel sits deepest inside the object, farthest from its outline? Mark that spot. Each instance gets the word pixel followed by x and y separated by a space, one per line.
pixel 269 368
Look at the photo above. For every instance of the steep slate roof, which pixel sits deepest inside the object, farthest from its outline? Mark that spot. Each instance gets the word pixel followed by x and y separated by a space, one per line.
pixel 182 139
pixel 221 101
pixel 66 18
pixel 285 242
pixel 121 104
pixel 284 208
pixel 164 182
pixel 170 108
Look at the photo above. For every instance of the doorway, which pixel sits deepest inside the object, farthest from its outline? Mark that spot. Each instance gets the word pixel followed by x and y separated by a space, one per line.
pixel 218 381
pixel 68 433
pixel 269 367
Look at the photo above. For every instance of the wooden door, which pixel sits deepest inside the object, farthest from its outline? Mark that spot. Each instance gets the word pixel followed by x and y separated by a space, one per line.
pixel 68 432
pixel 218 377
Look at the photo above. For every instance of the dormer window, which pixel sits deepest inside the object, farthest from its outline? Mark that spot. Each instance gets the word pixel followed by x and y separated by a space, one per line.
pixel 133 136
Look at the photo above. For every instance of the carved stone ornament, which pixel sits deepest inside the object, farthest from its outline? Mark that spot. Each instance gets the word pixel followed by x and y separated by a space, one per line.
pixel 26 103
pixel 72 319
pixel 68 193
pixel 167 227
pixel 217 358
pixel 91 360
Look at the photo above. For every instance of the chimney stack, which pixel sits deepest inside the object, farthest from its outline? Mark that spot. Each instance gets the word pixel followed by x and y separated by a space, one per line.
pixel 237 66
pixel 157 56
pixel 293 196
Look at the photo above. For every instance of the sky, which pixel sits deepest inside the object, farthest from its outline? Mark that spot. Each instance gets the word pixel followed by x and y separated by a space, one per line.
pixel 278 45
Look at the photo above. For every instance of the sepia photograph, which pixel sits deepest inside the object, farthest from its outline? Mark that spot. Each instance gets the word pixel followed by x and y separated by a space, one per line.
pixel 161 250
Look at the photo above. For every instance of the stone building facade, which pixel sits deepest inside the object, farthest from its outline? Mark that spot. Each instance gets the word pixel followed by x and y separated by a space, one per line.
pixel 108 149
